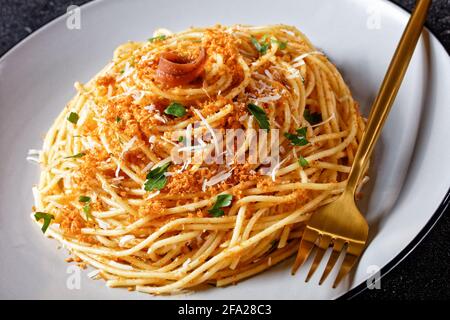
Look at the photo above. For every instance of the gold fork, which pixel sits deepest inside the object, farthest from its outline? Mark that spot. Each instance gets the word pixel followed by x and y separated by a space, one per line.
pixel 340 224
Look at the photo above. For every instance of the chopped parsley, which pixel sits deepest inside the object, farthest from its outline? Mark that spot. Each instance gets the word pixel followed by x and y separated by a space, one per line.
pixel 298 139
pixel 157 38
pixel 263 44
pixel 281 44
pixel 303 162
pixel 260 46
pixel 87 211
pixel 180 139
pixel 73 117
pixel 47 218
pixel 260 116
pixel 76 156
pixel 118 119
pixel 84 199
pixel 156 180
pixel 312 118
pixel 175 109
pixel 87 206
pixel 222 201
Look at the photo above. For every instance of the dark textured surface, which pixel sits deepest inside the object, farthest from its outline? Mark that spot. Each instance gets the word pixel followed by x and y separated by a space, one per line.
pixel 424 274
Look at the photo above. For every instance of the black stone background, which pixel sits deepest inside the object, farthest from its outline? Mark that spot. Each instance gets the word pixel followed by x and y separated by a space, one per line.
pixel 424 274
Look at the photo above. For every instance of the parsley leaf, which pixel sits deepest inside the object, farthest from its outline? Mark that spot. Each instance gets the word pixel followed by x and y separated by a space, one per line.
pixel 263 44
pixel 260 116
pixel 73 117
pixel 158 38
pixel 47 218
pixel 87 207
pixel 76 156
pixel 298 139
pixel 156 180
pixel 223 200
pixel 87 211
pixel 281 44
pixel 312 118
pixel 303 162
pixel 260 46
pixel 180 139
pixel 175 109
pixel 84 199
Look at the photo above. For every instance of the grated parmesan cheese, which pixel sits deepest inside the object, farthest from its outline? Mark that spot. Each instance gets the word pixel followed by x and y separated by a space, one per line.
pixel 91 143
pixel 34 155
pixel 162 32
pixel 56 226
pixel 138 95
pixel 293 73
pixel 150 107
pixel 152 139
pixel 93 274
pixel 269 98
pixel 268 74
pixel 32 159
pixel 210 129
pixel 221 176
pixel 168 141
pixel 128 146
pixel 273 174
pixel 160 118
pixel 289 32
pixel 169 174
pixel 301 57
pixel 243 118
pixel 148 166
pixel 37 198
pixel 152 195
pixel 116 180
pixel 127 71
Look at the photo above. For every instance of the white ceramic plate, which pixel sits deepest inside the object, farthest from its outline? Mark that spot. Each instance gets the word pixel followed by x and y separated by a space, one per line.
pixel 410 171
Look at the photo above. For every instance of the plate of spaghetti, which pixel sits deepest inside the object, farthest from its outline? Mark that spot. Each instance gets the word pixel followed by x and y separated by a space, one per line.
pixel 189 159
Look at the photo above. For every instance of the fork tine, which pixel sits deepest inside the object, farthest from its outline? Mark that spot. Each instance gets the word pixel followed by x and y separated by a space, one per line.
pixel 354 250
pixel 324 243
pixel 303 253
pixel 337 248
pixel 306 245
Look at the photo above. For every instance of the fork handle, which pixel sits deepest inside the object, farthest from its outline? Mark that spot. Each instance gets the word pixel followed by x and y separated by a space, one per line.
pixel 388 92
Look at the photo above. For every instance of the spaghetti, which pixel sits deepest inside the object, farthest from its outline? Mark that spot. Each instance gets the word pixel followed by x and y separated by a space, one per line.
pixel 112 193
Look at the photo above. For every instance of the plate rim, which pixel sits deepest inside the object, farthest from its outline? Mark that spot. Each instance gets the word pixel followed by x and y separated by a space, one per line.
pixel 426 229
pixel 411 246
pixel 391 265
